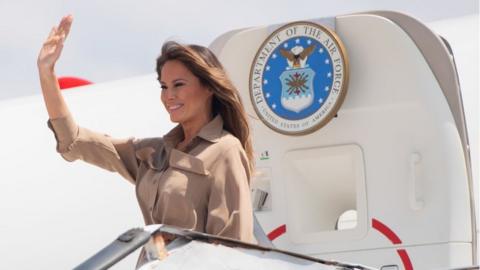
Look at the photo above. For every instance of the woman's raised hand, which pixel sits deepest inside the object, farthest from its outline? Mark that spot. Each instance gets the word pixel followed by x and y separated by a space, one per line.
pixel 52 47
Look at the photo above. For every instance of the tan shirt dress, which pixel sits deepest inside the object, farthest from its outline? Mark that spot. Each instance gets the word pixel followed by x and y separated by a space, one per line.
pixel 205 188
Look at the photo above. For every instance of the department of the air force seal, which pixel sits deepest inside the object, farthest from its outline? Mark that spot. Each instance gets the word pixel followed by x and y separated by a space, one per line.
pixel 298 78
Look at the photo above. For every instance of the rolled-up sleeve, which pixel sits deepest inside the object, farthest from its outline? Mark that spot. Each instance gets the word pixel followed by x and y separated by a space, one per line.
pixel 74 142
pixel 229 206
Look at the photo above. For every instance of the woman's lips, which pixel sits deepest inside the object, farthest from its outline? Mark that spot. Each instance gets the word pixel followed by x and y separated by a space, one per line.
pixel 173 108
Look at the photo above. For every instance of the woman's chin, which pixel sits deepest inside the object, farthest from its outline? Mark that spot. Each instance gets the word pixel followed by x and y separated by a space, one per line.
pixel 175 119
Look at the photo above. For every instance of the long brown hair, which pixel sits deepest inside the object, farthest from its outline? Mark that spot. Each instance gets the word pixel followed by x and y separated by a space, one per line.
pixel 226 98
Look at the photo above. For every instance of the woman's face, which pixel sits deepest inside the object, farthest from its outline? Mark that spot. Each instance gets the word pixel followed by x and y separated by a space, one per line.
pixel 184 97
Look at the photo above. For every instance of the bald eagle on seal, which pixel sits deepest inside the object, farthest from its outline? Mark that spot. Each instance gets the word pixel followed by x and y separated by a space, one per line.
pixel 297 56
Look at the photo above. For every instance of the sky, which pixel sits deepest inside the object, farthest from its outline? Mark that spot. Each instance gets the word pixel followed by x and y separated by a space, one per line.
pixel 111 40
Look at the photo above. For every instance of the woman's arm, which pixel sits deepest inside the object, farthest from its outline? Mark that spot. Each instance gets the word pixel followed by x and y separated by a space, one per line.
pixel 74 142
pixel 48 56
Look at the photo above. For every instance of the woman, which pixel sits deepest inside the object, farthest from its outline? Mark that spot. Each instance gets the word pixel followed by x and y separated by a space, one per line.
pixel 197 175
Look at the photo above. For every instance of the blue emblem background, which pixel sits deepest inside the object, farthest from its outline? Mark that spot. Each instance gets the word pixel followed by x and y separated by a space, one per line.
pixel 320 61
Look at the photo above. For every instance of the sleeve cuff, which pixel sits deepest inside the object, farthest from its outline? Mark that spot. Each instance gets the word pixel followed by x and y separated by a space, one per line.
pixel 65 130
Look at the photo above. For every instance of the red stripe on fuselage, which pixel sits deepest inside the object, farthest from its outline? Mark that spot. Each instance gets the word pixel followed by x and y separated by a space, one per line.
pixel 70 82
pixel 277 232
pixel 386 231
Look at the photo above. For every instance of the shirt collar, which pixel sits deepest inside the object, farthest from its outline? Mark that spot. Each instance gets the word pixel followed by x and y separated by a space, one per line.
pixel 211 132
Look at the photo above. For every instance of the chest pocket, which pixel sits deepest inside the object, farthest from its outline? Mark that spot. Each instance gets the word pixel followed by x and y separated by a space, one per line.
pixel 183 193
pixel 186 162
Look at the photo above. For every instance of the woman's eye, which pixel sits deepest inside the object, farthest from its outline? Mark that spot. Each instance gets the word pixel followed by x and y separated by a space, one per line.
pixel 163 87
pixel 179 84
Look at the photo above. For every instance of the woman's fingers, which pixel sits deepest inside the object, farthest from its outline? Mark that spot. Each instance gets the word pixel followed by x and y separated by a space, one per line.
pixel 64 26
pixel 68 25
pixel 58 49
pixel 62 29
pixel 58 34
pixel 52 40
pixel 53 46
pixel 52 32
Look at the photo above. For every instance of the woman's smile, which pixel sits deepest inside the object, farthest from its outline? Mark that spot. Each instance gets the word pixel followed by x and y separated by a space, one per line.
pixel 172 108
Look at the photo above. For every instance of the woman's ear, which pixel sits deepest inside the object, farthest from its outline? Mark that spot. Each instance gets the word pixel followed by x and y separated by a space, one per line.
pixel 210 91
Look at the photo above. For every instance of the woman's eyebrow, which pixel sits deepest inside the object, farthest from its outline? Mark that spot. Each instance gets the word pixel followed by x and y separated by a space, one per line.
pixel 174 81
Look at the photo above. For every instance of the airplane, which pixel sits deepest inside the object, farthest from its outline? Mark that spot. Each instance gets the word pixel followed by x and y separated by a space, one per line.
pixel 388 180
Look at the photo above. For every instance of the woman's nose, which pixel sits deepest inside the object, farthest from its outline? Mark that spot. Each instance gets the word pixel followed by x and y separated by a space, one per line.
pixel 169 94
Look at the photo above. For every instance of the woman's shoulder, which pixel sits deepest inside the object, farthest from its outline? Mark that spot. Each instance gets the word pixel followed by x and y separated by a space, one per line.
pixel 223 143
pixel 230 154
pixel 227 142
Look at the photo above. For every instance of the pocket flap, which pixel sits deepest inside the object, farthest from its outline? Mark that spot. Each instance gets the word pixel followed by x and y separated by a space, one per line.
pixel 183 161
